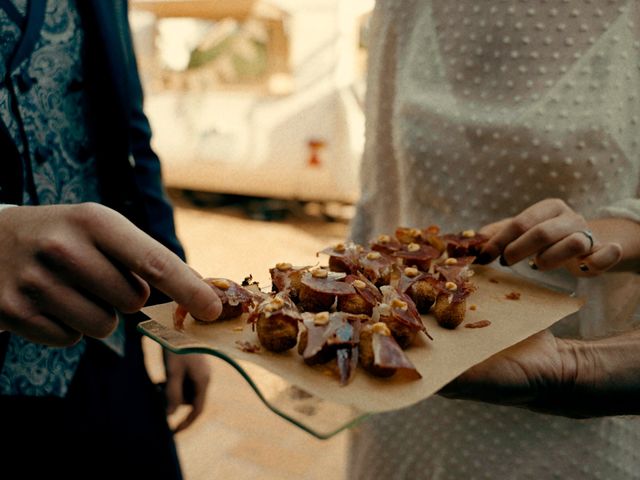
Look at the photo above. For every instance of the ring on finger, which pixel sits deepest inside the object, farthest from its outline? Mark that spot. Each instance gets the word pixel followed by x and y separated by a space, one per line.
pixel 589 234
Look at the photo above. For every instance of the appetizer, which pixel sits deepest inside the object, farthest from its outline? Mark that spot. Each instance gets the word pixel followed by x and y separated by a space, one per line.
pixel 235 300
pixel 400 314
pixel 326 336
pixel 286 278
pixel 464 244
pixel 451 304
pixel 363 300
pixel 319 288
pixel 364 306
pixel 380 354
pixel 276 321
pixel 343 257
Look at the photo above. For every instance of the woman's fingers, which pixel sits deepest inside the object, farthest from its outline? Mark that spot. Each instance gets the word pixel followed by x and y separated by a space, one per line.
pixel 554 241
pixel 512 229
pixel 556 245
pixel 603 257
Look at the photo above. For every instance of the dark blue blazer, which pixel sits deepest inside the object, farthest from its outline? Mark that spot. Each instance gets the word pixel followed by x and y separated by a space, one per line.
pixel 129 170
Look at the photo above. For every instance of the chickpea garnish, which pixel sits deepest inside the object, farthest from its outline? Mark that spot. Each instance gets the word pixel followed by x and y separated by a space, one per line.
pixel 320 273
pixel 411 272
pixel 401 304
pixel 221 283
pixel 413 247
pixel 321 318
pixel 374 255
pixel 359 284
pixel 381 329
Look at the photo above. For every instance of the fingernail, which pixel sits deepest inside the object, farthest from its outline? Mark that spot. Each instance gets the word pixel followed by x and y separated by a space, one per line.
pixel 503 261
pixel 583 267
pixel 532 264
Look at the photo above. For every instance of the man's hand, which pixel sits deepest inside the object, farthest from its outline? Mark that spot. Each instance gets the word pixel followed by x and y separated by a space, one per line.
pixel 194 370
pixel 65 268
pixel 517 376
pixel 573 378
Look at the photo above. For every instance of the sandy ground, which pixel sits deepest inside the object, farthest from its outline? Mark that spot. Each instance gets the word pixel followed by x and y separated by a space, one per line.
pixel 237 437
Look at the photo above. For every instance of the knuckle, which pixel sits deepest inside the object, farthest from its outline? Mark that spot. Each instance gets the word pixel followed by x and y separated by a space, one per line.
pixel 104 325
pixel 86 213
pixel 156 265
pixel 520 225
pixel 10 310
pixel 91 216
pixel 559 204
pixel 54 249
pixel 541 235
pixel 575 245
pixel 31 283
pixel 134 302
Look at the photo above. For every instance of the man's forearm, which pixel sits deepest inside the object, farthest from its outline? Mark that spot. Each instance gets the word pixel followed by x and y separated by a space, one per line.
pixel 602 376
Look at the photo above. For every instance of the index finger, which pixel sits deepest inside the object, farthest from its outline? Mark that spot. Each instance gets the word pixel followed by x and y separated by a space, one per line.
pixel 121 240
pixel 515 227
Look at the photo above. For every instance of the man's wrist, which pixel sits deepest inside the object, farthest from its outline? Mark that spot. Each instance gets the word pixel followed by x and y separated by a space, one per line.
pixel 564 395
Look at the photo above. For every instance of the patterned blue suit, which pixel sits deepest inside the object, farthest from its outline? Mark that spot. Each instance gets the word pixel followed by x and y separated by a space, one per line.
pixel 72 129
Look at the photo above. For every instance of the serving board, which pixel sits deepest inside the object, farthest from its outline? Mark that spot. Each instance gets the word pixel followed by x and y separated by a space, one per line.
pixel 312 398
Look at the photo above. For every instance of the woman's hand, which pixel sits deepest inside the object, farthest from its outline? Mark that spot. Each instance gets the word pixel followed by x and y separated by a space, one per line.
pixel 554 236
pixel 192 370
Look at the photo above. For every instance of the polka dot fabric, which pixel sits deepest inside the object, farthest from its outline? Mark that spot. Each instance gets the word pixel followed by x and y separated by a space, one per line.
pixel 475 111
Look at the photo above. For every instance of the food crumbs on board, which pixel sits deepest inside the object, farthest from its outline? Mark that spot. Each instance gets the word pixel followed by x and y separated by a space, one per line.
pixel 478 324
pixel 473 307
pixel 238 328
pixel 493 280
pixel 513 296
pixel 247 346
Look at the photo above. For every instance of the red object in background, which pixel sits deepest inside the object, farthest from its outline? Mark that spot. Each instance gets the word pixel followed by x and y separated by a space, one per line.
pixel 315 146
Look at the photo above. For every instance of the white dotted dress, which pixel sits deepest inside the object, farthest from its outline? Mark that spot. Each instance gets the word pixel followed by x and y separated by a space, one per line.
pixel 475 111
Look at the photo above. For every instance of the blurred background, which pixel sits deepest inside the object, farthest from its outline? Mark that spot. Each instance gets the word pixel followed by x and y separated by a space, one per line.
pixel 256 111
pixel 256 97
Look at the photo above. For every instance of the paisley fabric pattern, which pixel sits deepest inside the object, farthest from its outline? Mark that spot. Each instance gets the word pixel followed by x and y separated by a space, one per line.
pixel 50 108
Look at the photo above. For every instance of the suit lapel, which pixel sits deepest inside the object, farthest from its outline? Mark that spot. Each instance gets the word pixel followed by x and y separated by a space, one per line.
pixel 107 38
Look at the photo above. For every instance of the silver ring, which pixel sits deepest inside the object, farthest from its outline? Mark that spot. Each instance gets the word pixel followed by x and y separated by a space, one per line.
pixel 589 235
